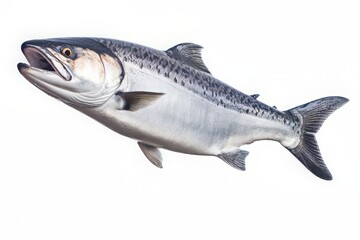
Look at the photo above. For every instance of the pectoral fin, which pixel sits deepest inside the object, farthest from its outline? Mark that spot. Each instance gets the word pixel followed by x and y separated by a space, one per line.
pixel 235 159
pixel 152 153
pixel 133 101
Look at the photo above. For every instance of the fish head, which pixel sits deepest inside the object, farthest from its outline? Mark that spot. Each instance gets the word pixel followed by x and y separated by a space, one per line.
pixel 77 71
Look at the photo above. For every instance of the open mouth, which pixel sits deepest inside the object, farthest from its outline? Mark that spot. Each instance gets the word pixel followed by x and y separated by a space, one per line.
pixel 42 61
pixel 38 60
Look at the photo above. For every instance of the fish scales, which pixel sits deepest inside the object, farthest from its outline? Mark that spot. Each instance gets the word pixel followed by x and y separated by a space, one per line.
pixel 196 81
pixel 169 99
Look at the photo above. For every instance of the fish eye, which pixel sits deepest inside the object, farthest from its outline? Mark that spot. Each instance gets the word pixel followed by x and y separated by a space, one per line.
pixel 67 52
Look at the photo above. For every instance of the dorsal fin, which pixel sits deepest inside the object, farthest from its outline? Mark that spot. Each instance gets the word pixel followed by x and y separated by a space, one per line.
pixel 189 54
pixel 255 96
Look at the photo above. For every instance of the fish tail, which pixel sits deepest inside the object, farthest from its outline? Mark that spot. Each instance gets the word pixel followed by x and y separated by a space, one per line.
pixel 312 115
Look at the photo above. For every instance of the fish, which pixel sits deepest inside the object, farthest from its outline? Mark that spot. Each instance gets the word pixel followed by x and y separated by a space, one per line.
pixel 170 100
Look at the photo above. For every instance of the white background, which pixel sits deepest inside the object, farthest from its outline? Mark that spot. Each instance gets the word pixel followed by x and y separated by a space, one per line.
pixel 64 176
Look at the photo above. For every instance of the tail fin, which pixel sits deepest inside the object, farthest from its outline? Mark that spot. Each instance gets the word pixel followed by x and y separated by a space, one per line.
pixel 313 115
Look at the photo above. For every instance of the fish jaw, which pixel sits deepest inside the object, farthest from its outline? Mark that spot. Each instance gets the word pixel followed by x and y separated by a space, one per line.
pixel 42 72
pixel 86 78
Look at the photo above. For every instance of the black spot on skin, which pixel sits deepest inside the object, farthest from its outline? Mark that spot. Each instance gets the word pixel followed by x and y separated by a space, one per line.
pixel 177 70
pixel 185 72
pixel 175 80
pixel 172 65
pixel 182 83
pixel 156 58
pixel 163 63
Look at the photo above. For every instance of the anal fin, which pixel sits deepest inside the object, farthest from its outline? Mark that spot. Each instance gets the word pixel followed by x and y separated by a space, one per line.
pixel 235 159
pixel 151 153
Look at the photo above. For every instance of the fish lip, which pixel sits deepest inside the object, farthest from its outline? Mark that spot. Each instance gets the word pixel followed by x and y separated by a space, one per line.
pixel 41 59
pixel 22 66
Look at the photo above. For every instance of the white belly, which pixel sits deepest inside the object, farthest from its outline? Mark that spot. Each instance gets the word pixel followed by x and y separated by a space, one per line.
pixel 183 121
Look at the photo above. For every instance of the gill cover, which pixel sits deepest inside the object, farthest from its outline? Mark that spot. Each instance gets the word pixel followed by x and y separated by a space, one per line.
pixel 79 71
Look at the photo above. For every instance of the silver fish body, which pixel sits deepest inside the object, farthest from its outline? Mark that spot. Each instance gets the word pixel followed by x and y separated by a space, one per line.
pixel 190 117
pixel 169 99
